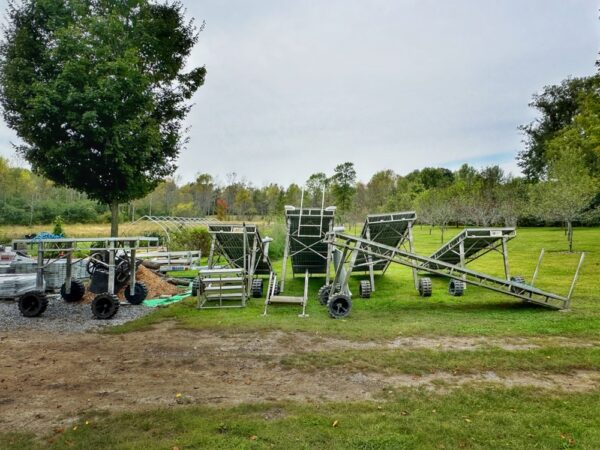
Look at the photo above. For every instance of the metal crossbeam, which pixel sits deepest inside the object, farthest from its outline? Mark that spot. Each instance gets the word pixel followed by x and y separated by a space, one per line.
pixel 352 245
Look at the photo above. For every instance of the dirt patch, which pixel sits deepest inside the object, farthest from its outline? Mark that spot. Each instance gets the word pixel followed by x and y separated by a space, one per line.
pixel 50 379
pixel 157 286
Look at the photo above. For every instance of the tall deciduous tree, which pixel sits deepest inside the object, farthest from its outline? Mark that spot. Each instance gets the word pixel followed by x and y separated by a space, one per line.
pixel 343 186
pixel 557 106
pixel 97 92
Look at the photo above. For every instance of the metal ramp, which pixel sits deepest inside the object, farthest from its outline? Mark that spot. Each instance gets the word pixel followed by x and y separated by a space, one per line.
pixel 471 244
pixel 391 229
pixel 339 302
pixel 273 296
pixel 304 240
pixel 242 248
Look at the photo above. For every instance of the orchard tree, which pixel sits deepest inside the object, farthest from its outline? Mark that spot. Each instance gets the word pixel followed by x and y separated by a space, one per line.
pixel 97 92
pixel 568 191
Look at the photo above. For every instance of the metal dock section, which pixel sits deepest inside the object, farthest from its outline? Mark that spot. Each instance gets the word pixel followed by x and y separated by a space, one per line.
pixel 471 244
pixel 391 229
pixel 236 241
pixel 352 246
pixel 304 241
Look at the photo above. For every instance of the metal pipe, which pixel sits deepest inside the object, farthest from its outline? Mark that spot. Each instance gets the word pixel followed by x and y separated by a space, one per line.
pixel 537 268
pixel 68 275
pixel 286 252
pixel 575 277
pixel 111 267
pixel 132 270
pixel 370 260
pixel 505 258
pixel 39 279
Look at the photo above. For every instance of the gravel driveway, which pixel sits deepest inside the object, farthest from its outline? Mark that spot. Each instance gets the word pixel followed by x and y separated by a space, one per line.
pixel 65 317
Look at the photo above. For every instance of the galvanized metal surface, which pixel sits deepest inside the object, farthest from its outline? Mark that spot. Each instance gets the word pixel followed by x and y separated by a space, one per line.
pixel 352 245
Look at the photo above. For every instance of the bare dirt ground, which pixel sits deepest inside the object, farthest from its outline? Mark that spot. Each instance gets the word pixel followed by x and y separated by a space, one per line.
pixel 50 379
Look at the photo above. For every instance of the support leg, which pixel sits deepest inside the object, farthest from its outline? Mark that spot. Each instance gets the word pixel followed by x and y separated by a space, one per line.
pixel 39 279
pixel 132 270
pixel 411 247
pixel 505 258
pixel 111 267
pixel 370 260
pixel 286 252
pixel 69 272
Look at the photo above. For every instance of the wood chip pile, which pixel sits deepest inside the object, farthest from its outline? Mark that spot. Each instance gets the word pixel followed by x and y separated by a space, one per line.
pixel 157 286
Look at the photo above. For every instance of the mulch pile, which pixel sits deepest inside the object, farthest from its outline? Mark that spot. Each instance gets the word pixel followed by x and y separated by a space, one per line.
pixel 157 286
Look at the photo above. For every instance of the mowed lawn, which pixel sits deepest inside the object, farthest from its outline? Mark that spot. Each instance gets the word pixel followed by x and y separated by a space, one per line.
pixel 478 415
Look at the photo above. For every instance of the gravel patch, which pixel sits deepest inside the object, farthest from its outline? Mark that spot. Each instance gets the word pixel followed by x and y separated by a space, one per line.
pixel 65 317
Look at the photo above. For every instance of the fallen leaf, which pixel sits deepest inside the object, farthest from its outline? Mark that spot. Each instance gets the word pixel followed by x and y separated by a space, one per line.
pixel 335 423
pixel 468 420
pixel 178 395
pixel 253 437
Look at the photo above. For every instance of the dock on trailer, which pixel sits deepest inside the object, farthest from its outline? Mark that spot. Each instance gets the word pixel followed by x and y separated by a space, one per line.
pixel 245 255
pixel 471 244
pixel 111 256
pixel 391 229
pixel 306 229
pixel 339 301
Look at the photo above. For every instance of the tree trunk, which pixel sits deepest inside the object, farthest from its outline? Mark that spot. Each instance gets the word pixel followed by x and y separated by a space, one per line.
pixel 570 235
pixel 114 219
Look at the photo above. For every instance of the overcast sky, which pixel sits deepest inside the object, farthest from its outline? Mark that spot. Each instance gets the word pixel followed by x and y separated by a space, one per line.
pixel 296 87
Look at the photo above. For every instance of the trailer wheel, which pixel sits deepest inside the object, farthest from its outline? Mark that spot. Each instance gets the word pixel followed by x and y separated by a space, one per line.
pixel 425 287
pixel 339 306
pixel 456 288
pixel 76 294
pixel 122 272
pixel 364 289
pixel 105 306
pixel 140 294
pixel 33 303
pixel 257 288
pixel 195 285
pixel 323 294
pixel 517 279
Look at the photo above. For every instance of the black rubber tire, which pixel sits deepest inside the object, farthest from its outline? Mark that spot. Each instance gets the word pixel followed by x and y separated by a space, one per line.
pixel 141 292
pixel 105 306
pixel 33 303
pixel 323 294
pixel 76 294
pixel 122 271
pixel 257 288
pixel 425 287
pixel 339 306
pixel 456 288
pixel 277 289
pixel 195 285
pixel 365 289
pixel 517 279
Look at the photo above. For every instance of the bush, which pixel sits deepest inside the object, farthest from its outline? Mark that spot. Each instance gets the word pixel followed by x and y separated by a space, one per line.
pixel 191 239
pixel 80 212
pixel 277 232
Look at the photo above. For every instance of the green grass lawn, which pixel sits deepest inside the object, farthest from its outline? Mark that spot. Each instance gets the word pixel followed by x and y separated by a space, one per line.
pixel 483 415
